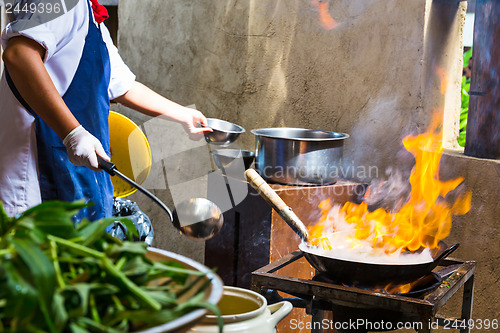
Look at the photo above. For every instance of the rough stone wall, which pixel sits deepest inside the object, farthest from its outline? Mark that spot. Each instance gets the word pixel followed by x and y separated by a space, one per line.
pixel 269 63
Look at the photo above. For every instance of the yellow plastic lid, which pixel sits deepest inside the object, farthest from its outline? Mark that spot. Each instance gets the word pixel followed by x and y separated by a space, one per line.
pixel 130 152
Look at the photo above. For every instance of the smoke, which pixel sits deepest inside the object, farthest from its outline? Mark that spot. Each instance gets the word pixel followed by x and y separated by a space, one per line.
pixel 390 193
pixel 392 190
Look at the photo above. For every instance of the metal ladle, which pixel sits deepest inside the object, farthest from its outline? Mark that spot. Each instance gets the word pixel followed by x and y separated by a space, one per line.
pixel 197 219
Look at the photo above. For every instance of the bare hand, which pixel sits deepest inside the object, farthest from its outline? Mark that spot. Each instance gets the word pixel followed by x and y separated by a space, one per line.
pixel 194 123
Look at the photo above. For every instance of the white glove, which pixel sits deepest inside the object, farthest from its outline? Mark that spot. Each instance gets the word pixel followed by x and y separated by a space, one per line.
pixel 82 148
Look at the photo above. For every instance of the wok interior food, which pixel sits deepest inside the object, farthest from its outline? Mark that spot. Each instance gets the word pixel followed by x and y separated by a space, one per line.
pixel 349 254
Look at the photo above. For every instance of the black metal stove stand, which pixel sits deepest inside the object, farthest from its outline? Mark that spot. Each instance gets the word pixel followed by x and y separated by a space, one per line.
pixel 317 297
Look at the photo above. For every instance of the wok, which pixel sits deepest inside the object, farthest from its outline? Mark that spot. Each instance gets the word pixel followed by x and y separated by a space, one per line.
pixel 346 271
pixel 356 273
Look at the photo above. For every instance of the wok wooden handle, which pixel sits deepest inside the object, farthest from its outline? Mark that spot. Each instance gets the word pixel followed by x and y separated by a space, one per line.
pixel 286 213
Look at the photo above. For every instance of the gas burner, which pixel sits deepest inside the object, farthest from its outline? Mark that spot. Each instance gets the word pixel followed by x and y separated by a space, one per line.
pixel 319 293
pixel 415 289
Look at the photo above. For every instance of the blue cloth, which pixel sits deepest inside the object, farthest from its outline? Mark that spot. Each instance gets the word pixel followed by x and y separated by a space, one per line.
pixel 87 98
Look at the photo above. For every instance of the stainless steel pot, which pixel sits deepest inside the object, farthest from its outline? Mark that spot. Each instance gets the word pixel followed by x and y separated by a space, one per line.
pixel 298 156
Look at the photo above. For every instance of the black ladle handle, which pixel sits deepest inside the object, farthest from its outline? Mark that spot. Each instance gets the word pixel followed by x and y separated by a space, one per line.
pixel 110 168
pixel 107 166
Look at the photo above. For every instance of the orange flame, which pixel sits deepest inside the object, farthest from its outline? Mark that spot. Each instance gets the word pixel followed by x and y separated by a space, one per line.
pixel 391 288
pixel 324 14
pixel 422 222
pixel 443 78
pixel 398 289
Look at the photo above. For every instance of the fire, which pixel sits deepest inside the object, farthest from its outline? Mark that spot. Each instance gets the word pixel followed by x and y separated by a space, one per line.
pixel 391 288
pixel 443 79
pixel 398 289
pixel 423 221
pixel 324 14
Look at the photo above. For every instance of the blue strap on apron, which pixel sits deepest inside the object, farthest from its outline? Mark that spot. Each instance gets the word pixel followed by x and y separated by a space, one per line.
pixel 87 98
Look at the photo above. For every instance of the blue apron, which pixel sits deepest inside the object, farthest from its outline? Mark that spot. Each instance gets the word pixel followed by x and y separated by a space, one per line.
pixel 87 98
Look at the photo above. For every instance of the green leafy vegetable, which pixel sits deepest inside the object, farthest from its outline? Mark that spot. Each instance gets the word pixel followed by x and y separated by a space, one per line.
pixel 58 278
pixel 464 110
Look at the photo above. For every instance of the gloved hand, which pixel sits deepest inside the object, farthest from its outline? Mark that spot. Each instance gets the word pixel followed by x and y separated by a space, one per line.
pixel 82 148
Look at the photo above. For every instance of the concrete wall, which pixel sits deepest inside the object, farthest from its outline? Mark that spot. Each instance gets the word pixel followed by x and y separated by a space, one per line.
pixel 267 63
pixel 478 232
pixel 272 63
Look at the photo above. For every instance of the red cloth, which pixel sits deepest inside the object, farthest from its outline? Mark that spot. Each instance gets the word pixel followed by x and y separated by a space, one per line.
pixel 100 12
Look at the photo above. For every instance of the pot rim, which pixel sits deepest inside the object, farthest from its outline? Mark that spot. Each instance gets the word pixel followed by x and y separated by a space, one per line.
pixel 244 293
pixel 237 128
pixel 336 136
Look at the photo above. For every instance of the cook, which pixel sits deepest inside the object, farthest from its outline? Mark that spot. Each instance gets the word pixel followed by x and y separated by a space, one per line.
pixel 55 95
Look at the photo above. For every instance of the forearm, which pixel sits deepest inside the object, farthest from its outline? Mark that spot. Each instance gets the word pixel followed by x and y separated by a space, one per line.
pixel 23 59
pixel 145 100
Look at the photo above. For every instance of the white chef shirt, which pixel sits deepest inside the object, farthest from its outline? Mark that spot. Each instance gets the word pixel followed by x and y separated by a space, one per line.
pixel 64 39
